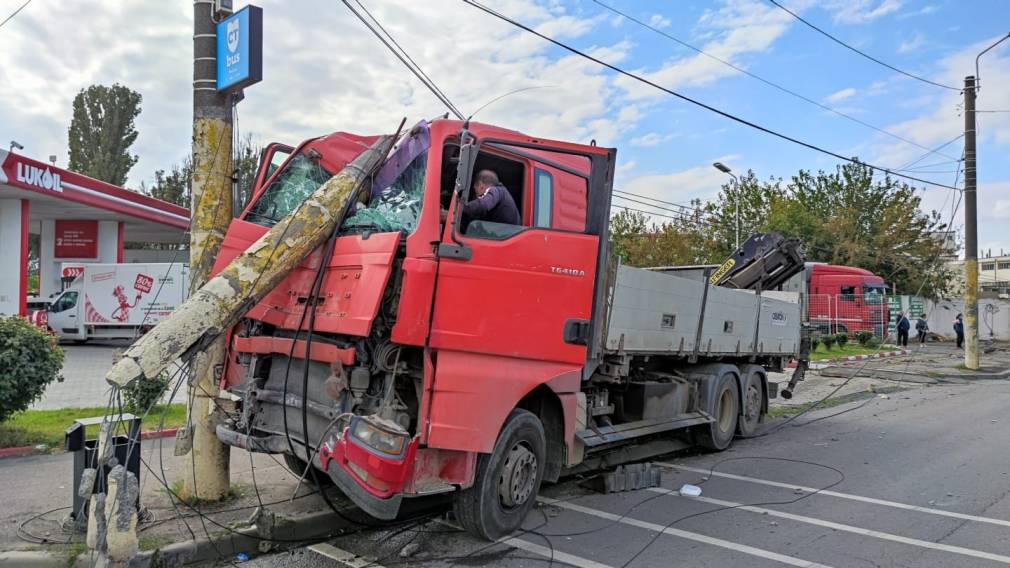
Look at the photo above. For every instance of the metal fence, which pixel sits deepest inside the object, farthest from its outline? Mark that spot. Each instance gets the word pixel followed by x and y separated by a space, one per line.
pixel 848 313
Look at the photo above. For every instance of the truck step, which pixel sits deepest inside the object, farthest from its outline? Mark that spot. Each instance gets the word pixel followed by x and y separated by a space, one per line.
pixel 604 435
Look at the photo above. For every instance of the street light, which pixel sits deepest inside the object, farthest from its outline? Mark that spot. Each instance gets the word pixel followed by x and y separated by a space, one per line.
pixel 736 185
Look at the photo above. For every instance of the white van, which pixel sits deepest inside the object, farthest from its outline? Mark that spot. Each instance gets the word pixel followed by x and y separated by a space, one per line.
pixel 117 301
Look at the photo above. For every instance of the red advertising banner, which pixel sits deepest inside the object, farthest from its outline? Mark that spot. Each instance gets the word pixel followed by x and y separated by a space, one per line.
pixel 76 239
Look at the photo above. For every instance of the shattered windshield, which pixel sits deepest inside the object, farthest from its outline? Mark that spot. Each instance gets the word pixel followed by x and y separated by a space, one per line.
pixel 299 179
pixel 397 190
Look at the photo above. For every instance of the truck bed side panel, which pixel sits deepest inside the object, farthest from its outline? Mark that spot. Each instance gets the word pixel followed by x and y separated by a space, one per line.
pixel 652 312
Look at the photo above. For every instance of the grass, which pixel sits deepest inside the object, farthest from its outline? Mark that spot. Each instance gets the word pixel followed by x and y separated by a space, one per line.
pixel 34 427
pixel 848 349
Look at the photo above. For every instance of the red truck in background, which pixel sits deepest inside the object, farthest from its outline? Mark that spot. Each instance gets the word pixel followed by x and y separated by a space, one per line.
pixel 845 299
pixel 418 352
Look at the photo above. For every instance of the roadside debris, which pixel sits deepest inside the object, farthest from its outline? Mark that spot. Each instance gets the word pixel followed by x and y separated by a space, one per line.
pixel 688 490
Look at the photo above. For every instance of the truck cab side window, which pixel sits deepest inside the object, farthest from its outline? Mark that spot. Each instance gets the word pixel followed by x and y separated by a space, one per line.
pixel 847 293
pixel 543 186
pixel 66 301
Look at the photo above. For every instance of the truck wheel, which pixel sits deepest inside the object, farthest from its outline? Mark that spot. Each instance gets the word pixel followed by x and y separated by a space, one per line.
pixel 507 481
pixel 726 411
pixel 297 467
pixel 752 411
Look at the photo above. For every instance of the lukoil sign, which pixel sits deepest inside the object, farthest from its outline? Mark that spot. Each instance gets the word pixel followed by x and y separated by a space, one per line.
pixel 39 177
pixel 240 49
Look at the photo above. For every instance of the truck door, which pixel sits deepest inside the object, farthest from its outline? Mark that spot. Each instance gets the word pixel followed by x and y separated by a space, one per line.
pixel 526 291
pixel 63 317
pixel 518 306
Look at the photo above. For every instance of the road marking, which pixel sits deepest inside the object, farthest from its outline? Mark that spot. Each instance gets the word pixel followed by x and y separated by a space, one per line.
pixel 539 550
pixel 766 554
pixel 847 528
pixel 849 496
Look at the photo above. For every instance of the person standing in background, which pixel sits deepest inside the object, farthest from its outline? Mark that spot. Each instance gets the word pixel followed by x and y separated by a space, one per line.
pixel 959 331
pixel 922 326
pixel 902 327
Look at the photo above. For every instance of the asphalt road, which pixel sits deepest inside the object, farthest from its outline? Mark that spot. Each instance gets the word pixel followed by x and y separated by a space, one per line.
pixel 919 479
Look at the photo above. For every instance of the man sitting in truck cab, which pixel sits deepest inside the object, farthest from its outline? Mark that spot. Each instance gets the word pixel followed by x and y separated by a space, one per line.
pixel 494 203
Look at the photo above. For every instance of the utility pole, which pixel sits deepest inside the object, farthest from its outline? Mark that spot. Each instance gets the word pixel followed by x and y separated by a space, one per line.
pixel 207 476
pixel 970 230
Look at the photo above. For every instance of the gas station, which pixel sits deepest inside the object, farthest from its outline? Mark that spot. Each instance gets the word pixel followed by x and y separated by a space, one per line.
pixel 79 219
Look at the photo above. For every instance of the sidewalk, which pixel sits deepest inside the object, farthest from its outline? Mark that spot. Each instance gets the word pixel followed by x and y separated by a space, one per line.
pixel 37 497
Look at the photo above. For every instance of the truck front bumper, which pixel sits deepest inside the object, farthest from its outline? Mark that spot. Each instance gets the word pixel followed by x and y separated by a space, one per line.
pixel 350 470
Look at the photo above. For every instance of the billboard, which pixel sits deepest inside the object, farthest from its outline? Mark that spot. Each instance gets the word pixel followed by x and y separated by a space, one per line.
pixel 76 239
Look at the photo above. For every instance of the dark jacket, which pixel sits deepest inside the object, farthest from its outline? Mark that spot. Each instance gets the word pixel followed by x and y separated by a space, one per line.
pixel 903 324
pixel 921 325
pixel 959 327
pixel 496 205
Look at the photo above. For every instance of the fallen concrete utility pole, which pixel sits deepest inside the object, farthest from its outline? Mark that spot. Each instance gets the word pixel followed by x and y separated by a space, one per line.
pixel 246 280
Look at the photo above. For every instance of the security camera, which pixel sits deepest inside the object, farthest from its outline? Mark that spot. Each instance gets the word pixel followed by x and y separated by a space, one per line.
pixel 16 146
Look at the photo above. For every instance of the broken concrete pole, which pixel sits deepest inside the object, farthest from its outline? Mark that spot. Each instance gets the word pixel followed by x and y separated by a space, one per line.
pixel 221 302
pixel 121 515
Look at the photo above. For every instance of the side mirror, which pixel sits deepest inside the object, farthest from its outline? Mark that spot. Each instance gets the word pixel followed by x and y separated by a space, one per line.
pixel 467 158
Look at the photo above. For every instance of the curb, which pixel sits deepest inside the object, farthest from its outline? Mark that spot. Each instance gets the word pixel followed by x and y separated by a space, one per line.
pixel 22 451
pixel 821 363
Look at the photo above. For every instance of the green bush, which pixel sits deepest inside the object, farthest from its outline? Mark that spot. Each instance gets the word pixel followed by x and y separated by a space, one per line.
pixel 139 396
pixel 815 342
pixel 30 359
pixel 873 343
pixel 863 336
pixel 828 341
pixel 841 339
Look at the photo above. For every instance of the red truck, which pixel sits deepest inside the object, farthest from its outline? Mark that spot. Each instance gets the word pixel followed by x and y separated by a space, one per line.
pixel 846 299
pixel 418 352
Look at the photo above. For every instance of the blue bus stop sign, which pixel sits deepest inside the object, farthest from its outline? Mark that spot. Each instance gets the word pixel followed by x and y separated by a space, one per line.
pixel 240 49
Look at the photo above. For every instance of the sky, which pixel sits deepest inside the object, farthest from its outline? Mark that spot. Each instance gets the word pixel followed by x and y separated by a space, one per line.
pixel 323 71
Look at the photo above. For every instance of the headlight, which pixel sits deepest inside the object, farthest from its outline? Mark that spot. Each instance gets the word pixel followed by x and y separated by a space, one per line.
pixel 379 435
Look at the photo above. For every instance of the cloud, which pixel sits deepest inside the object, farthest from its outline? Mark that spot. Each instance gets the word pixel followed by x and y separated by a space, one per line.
pixel 659 21
pixel 330 81
pixel 925 10
pixel 861 11
pixel 733 30
pixel 839 96
pixel 698 182
pixel 913 44
pixel 651 139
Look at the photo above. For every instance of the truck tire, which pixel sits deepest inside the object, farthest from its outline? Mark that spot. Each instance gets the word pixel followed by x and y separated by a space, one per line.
pixel 297 467
pixel 753 405
pixel 507 481
pixel 726 412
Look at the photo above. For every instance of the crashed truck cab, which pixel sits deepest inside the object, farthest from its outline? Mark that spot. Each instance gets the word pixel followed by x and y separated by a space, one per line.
pixel 363 360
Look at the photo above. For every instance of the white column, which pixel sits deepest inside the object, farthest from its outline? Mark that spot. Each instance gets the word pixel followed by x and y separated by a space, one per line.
pixel 49 268
pixel 12 255
pixel 108 242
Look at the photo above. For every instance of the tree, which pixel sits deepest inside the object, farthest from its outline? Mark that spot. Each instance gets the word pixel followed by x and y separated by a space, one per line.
pixel 102 131
pixel 176 186
pixel 675 242
pixel 846 217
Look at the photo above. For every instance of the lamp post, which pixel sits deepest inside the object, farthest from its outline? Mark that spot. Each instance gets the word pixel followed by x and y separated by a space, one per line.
pixel 736 199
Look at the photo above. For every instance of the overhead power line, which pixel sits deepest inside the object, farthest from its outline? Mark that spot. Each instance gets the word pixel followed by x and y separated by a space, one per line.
pixel 654 214
pixel 683 214
pixel 686 208
pixel 763 80
pixel 14 13
pixel 864 54
pixel 402 55
pixel 695 102
pixel 927 154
